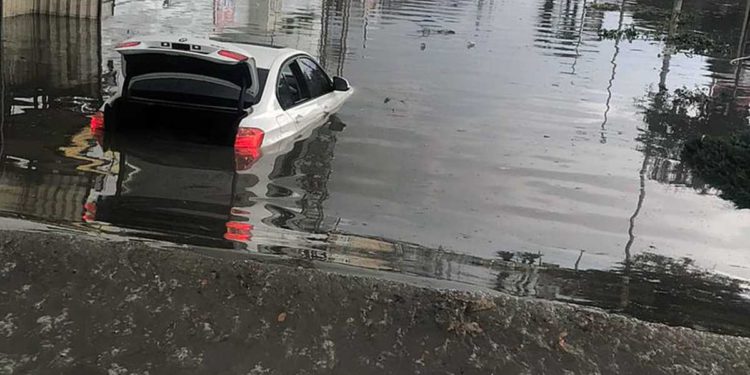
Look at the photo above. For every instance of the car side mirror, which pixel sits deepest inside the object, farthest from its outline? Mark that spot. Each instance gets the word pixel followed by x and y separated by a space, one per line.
pixel 340 84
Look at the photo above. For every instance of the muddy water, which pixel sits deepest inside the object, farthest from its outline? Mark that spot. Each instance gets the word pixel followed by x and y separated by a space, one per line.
pixel 520 149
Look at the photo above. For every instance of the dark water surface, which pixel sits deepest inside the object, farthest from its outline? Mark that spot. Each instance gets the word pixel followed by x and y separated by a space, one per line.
pixel 520 149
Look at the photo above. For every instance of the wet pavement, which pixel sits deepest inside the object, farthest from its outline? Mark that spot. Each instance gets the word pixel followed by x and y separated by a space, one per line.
pixel 515 145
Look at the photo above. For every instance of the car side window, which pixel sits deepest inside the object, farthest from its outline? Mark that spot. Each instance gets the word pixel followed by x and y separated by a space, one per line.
pixel 317 80
pixel 290 90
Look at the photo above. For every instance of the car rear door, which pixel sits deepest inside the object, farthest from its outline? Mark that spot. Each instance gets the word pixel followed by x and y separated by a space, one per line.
pixel 294 97
pixel 320 88
pixel 304 91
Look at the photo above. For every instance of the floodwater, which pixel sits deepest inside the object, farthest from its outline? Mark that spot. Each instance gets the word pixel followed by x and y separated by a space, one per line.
pixel 501 143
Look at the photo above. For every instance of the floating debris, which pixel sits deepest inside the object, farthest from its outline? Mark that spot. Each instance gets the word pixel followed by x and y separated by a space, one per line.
pixel 428 32
pixel 691 42
pixel 606 7
pixel 629 33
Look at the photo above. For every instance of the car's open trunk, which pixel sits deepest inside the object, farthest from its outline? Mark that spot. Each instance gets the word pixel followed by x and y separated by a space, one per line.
pixel 183 97
pixel 185 123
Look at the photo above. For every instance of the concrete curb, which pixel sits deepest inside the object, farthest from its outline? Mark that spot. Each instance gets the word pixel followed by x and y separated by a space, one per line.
pixel 84 306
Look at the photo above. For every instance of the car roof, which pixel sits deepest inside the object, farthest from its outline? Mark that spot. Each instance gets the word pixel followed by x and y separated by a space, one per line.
pixel 265 55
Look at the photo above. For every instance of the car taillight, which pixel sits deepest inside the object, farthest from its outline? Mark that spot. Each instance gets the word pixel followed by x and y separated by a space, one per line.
pixel 238 231
pixel 127 44
pixel 247 146
pixel 249 139
pixel 232 55
pixel 97 122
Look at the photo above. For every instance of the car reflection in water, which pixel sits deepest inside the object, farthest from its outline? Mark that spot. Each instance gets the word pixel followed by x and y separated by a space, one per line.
pixel 209 195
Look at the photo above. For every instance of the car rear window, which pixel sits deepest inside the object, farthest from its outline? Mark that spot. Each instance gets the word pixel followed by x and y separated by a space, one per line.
pixel 185 88
pixel 185 79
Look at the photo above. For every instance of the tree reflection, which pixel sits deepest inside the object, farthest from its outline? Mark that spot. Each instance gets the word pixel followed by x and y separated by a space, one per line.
pixel 723 163
pixel 675 118
pixel 661 289
pixel 708 27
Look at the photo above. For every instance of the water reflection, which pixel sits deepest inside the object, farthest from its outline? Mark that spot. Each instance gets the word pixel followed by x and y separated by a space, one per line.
pixel 208 195
pixel 35 68
pixel 45 83
pixel 650 286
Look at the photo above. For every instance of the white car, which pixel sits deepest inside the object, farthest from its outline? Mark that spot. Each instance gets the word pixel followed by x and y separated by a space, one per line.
pixel 250 95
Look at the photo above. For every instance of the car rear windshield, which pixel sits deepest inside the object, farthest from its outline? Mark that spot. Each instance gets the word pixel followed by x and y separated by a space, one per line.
pixel 185 88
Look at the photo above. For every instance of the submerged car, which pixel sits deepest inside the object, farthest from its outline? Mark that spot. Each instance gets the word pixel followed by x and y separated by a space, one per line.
pixel 252 96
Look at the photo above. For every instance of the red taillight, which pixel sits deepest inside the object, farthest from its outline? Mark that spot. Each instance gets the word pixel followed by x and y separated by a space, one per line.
pixel 232 55
pixel 238 231
pixel 247 146
pixel 89 212
pixel 248 139
pixel 127 44
pixel 97 122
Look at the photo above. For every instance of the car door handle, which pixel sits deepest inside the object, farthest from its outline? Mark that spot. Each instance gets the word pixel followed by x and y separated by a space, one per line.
pixel 298 117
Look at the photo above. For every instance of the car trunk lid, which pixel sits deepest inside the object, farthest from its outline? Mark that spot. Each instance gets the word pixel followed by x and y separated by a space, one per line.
pixel 192 72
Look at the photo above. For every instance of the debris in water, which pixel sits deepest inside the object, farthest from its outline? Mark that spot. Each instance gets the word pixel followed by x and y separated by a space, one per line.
pixel 470 44
pixel 605 6
pixel 691 42
pixel 281 318
pixel 387 99
pixel 506 255
pixel 428 32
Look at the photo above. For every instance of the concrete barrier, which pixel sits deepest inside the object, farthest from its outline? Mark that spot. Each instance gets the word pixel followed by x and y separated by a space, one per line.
pixel 79 305
pixel 68 8
pixel 51 55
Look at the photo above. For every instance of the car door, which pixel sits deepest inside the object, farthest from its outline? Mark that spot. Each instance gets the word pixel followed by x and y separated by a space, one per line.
pixel 294 99
pixel 320 87
pixel 298 97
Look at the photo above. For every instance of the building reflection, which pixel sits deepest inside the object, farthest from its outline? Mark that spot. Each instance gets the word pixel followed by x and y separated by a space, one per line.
pixel 51 57
pixel 318 27
pixel 50 74
pixel 564 26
